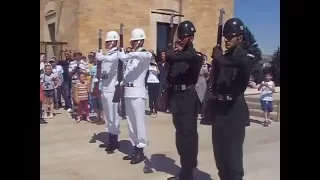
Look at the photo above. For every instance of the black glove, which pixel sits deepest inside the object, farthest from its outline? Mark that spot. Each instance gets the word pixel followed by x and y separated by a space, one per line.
pixel 217 52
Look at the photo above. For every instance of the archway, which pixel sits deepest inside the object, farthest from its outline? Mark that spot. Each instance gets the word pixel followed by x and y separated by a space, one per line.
pixel 49 28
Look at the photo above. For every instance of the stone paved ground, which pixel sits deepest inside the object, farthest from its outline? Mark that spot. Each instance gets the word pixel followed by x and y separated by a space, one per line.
pixel 66 153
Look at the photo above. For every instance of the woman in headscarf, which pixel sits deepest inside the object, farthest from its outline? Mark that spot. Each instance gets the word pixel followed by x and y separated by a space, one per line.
pixel 201 85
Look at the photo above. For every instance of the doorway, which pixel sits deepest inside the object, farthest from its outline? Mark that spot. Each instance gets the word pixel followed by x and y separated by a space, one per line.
pixel 163 35
pixel 52 34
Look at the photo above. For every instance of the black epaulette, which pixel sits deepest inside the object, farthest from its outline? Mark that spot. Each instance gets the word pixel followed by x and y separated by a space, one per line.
pixel 143 50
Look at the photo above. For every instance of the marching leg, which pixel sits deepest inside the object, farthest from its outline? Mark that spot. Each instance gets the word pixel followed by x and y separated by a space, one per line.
pixel 113 125
pixel 139 105
pixel 132 127
pixel 105 105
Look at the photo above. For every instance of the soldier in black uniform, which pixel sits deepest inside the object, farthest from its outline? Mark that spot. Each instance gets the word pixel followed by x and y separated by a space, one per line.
pixel 184 67
pixel 230 114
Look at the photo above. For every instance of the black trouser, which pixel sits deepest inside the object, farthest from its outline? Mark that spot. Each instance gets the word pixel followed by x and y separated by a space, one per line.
pixel 153 91
pixel 228 151
pixel 184 114
pixel 65 90
pixel 57 96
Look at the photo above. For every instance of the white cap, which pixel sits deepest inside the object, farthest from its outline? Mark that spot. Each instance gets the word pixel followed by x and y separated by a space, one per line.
pixel 112 36
pixel 137 34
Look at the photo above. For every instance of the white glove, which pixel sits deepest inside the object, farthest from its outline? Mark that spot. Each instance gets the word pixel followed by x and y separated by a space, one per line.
pixel 121 55
pixel 99 56
pixel 121 83
pixel 95 80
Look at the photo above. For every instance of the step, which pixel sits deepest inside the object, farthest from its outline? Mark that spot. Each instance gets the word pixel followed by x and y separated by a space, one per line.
pixel 259 113
pixel 257 105
pixel 257 100
pixel 258 120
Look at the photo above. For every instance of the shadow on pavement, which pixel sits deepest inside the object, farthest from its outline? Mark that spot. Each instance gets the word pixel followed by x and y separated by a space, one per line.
pixel 256 122
pixel 56 113
pixel 162 163
pixel 93 118
pixel 102 137
pixel 125 147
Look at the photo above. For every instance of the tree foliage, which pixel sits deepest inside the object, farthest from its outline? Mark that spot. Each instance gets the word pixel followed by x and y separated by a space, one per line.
pixel 275 66
pixel 253 45
pixel 253 48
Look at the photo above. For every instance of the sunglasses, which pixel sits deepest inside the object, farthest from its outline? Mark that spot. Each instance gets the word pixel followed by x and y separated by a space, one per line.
pixel 229 37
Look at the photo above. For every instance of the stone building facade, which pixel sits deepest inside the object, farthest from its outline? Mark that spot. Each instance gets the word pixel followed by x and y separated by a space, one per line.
pixel 77 21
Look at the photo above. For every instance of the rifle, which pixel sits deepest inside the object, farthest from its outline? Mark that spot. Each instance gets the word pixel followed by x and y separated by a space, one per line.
pixel 208 97
pixel 117 92
pixel 171 35
pixel 166 91
pixel 96 90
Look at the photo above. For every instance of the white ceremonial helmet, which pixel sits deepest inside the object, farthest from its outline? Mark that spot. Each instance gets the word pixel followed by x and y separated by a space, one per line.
pixel 112 36
pixel 137 34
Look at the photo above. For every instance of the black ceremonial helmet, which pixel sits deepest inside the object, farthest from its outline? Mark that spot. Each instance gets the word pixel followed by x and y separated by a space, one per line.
pixel 233 27
pixel 186 29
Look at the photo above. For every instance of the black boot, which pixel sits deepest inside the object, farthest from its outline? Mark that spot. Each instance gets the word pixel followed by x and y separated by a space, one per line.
pixel 105 145
pixel 113 144
pixel 185 174
pixel 132 155
pixel 139 157
pixel 42 121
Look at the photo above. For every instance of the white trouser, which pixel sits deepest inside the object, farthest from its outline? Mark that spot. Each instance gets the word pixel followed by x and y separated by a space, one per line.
pixel 135 109
pixel 110 113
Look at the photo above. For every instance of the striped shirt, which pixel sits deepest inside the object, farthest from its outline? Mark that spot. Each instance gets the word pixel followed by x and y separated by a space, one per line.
pixel 82 91
pixel 81 64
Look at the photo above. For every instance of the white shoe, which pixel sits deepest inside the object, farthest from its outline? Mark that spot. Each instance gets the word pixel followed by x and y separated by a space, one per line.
pixel 44 116
pixel 69 110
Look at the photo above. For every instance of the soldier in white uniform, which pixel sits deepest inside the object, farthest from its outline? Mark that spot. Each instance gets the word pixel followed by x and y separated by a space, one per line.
pixel 135 93
pixel 108 83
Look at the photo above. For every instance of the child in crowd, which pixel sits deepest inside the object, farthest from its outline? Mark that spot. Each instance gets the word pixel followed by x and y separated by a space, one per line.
pixel 81 97
pixel 267 88
pixel 49 83
pixel 42 121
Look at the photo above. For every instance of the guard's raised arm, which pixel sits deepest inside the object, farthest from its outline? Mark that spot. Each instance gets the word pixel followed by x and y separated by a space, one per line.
pixel 142 54
pixel 180 56
pixel 110 57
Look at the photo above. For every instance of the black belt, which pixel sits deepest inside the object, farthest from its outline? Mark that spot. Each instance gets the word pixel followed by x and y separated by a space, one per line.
pixel 129 85
pixel 132 85
pixel 182 87
pixel 223 97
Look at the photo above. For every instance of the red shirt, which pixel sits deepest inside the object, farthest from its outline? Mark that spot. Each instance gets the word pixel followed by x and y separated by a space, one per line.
pixel 41 94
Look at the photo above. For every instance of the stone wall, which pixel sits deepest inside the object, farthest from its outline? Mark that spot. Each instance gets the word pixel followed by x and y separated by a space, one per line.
pixel 81 19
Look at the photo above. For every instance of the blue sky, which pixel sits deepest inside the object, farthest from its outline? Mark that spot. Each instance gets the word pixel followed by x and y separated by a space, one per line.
pixel 263 19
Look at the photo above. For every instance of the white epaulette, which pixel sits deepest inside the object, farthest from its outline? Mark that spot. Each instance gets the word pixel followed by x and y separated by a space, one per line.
pixel 250 55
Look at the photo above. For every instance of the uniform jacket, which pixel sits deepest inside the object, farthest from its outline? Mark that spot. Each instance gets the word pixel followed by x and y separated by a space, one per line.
pixel 108 69
pixel 137 65
pixel 184 67
pixel 232 72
